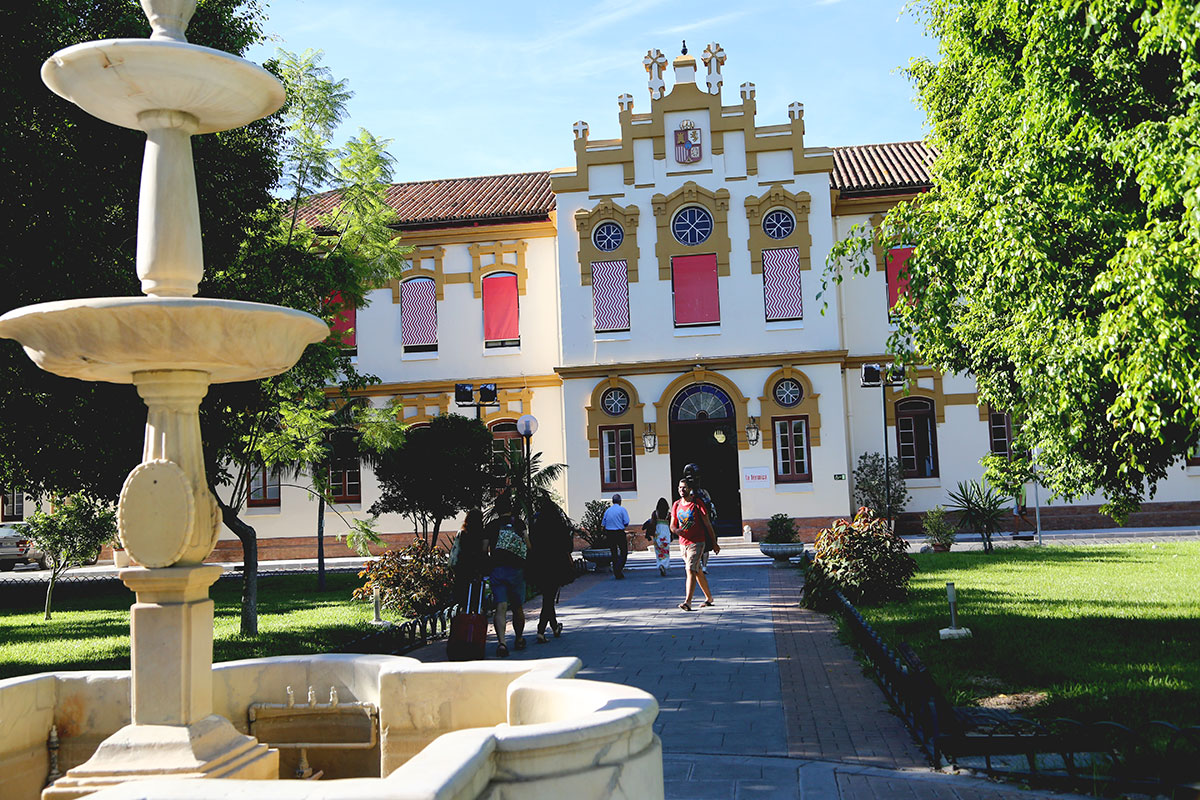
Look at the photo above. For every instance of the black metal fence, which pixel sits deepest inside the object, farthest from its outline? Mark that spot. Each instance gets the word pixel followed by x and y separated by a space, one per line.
pixel 1097 757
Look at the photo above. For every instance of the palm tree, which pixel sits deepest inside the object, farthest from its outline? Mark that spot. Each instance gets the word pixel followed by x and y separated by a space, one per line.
pixel 980 508
pixel 525 489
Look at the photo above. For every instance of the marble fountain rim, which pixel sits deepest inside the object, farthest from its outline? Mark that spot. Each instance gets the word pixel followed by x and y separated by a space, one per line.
pixel 221 90
pixel 111 338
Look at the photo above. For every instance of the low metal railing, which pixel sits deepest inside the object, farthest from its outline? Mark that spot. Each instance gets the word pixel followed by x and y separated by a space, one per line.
pixel 1157 758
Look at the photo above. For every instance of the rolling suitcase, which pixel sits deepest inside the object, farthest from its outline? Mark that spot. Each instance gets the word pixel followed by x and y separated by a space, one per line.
pixel 468 629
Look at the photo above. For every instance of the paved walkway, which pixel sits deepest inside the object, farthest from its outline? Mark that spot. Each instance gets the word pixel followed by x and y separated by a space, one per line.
pixel 757 697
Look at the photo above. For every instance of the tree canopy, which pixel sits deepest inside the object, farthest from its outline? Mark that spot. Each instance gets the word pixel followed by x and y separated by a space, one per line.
pixel 1057 256
pixel 440 469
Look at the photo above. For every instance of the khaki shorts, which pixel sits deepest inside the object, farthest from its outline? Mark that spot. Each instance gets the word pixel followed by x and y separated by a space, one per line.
pixel 691 555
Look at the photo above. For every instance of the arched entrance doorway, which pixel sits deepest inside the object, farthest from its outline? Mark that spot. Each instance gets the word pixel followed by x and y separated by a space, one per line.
pixel 703 431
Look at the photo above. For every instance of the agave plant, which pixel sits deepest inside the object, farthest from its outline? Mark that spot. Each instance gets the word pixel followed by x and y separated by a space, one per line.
pixel 980 508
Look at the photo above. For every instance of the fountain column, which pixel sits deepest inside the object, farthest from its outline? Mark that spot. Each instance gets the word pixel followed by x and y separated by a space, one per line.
pixel 171 345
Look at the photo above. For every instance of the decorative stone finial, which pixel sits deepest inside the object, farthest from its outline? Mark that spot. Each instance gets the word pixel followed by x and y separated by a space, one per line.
pixel 714 59
pixel 683 52
pixel 795 110
pixel 625 102
pixel 169 18
pixel 747 91
pixel 581 130
pixel 655 63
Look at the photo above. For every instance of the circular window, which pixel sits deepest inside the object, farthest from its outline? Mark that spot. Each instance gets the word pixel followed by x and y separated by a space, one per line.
pixel 615 402
pixel 788 392
pixel 692 225
pixel 607 236
pixel 779 224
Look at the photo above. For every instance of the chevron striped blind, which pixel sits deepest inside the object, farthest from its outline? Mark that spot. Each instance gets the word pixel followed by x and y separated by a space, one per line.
pixel 781 284
pixel 610 295
pixel 418 312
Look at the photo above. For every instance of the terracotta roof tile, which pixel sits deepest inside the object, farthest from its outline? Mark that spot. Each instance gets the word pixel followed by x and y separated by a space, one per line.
pixel 863 170
pixel 871 169
pixel 458 201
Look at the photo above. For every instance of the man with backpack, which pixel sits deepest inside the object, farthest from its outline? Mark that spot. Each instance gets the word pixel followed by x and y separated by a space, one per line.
pixel 508 545
pixel 691 473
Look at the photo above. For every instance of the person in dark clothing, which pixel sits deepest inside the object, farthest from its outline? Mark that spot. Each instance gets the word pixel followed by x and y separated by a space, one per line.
pixel 508 545
pixel 549 566
pixel 468 555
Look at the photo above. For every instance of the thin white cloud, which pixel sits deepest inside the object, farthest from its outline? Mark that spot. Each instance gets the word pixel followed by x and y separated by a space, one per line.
pixel 711 22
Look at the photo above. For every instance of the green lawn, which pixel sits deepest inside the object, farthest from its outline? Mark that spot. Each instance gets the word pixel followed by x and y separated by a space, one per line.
pixel 1105 632
pixel 90 629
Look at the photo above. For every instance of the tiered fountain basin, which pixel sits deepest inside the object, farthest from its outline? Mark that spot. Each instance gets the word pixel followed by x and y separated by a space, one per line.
pixel 112 338
pixel 485 730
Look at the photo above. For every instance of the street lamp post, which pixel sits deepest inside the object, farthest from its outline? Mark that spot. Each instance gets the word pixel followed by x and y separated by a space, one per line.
pixel 883 376
pixel 527 426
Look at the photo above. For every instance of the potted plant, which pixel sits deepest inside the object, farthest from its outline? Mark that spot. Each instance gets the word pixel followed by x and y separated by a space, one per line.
pixel 939 533
pixel 591 530
pixel 781 541
pixel 119 556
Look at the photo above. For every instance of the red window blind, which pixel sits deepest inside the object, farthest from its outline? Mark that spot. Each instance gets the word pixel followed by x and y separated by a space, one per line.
pixel 500 316
pixel 344 322
pixel 897 275
pixel 695 283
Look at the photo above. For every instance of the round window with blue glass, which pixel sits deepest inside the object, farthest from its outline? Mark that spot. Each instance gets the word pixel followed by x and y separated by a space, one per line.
pixel 692 225
pixel 779 223
pixel 607 236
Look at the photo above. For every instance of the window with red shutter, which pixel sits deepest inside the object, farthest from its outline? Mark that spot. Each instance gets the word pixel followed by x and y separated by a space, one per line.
pixel 501 317
pixel 344 324
pixel 694 281
pixel 897 274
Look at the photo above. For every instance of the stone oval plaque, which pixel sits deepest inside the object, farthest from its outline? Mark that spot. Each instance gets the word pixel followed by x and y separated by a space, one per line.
pixel 155 513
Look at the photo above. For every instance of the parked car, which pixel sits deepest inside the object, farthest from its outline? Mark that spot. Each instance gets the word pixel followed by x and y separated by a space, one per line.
pixel 15 548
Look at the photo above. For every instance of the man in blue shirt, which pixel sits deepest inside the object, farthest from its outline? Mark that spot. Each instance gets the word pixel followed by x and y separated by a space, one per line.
pixel 616 520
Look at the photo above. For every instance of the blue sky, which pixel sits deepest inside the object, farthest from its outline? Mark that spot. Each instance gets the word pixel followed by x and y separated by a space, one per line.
pixel 480 88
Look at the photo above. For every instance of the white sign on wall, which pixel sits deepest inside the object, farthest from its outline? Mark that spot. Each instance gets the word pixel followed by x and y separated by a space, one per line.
pixel 756 477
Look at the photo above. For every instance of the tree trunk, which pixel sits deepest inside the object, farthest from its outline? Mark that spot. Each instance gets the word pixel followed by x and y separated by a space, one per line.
pixel 50 589
pixel 437 527
pixel 249 539
pixel 321 544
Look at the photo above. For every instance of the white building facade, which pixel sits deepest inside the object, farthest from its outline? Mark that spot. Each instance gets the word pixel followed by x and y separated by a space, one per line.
pixel 656 305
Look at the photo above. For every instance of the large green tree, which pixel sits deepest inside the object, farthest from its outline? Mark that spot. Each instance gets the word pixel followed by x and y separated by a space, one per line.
pixel 1057 255
pixel 68 194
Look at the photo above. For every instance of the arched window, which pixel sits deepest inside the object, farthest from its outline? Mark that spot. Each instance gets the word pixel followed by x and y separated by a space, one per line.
pixel 701 401
pixel 505 442
pixel 916 437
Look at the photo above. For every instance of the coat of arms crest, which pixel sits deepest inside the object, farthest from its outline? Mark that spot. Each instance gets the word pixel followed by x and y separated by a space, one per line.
pixel 687 143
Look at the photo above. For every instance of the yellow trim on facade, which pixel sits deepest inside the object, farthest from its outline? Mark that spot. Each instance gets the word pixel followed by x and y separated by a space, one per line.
pixel 809 405
pixel 498 252
pixel 829 357
pixel 440 386
pixel 691 194
pixel 586 221
pixel 596 415
pixel 689 97
pixel 418 269
pixel 481 233
pixel 778 197
pixel 662 408
pixel 865 205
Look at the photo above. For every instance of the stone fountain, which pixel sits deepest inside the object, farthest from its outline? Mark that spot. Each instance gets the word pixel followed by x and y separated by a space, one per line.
pixel 465 731
pixel 171 346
